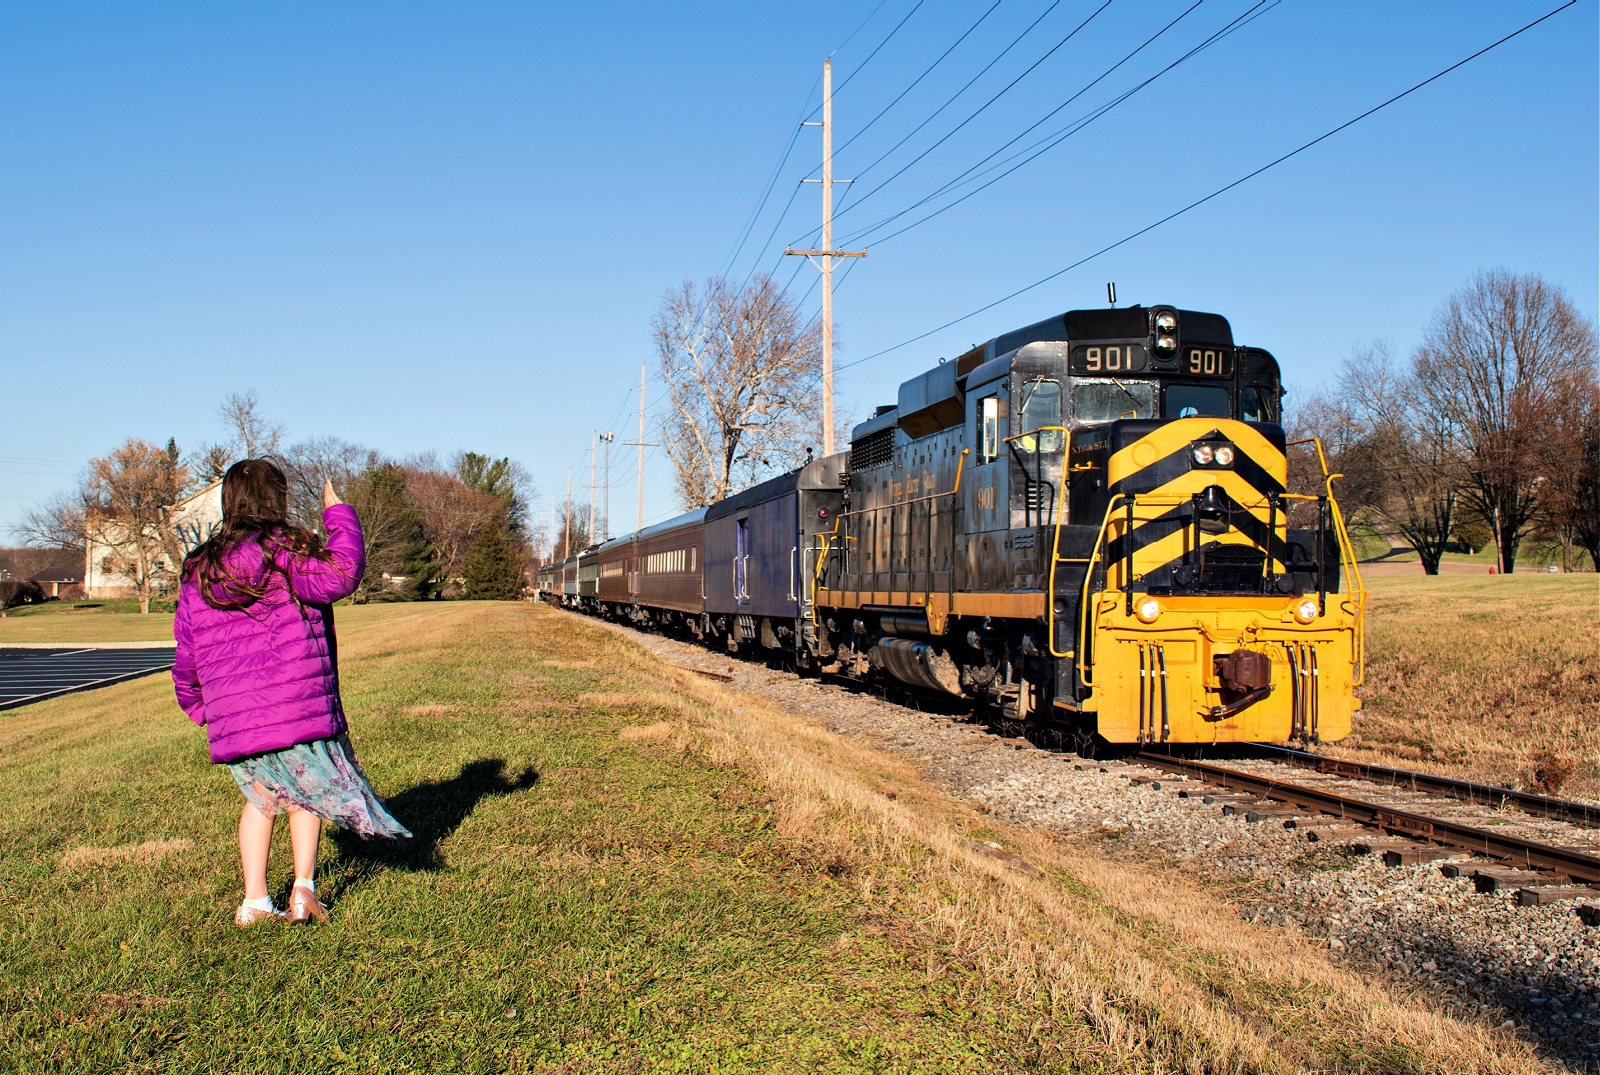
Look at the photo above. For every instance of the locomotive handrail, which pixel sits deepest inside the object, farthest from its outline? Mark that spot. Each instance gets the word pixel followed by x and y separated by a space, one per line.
pixel 1129 500
pixel 1347 551
pixel 1066 435
pixel 1033 432
pixel 1055 547
pixel 952 491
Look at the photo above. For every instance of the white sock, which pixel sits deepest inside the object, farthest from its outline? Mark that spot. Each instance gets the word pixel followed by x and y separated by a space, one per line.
pixel 308 882
pixel 263 904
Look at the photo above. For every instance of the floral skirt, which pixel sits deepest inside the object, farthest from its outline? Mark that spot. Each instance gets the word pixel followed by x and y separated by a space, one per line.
pixel 323 777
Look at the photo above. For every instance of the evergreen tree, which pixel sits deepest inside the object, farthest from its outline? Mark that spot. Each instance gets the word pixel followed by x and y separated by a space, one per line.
pixel 397 547
pixel 493 570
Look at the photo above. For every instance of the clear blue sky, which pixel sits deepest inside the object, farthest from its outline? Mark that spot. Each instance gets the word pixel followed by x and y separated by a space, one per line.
pixel 447 226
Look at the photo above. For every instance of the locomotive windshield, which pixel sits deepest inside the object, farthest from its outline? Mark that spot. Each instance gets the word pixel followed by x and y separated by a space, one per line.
pixel 1196 401
pixel 1106 401
pixel 1041 407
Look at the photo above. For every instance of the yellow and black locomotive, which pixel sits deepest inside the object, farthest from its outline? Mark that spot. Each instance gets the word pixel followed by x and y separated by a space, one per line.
pixel 1086 522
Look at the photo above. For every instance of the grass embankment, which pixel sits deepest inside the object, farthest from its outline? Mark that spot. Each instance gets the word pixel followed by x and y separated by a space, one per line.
pixel 1490 677
pixel 618 866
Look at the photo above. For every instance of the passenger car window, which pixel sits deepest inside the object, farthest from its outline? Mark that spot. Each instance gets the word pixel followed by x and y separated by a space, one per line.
pixel 1041 407
pixel 1106 401
pixel 1196 401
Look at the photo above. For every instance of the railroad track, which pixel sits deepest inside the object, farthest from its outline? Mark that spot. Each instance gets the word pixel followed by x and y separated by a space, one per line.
pixel 1352 793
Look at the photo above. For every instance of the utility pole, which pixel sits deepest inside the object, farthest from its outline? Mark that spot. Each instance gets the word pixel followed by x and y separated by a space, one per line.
pixel 642 445
pixel 566 538
pixel 605 518
pixel 823 259
pixel 594 452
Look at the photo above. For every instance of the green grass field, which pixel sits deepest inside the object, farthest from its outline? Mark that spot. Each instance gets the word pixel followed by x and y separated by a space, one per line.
pixel 620 867
pixel 85 621
pixel 572 897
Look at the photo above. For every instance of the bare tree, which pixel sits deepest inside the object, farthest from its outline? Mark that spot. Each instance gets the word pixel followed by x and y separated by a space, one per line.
pixel 1321 415
pixel 1498 359
pixel 572 534
pixel 56 524
pixel 251 436
pixel 1571 469
pixel 309 463
pixel 743 373
pixel 125 498
pixel 1403 461
pixel 452 512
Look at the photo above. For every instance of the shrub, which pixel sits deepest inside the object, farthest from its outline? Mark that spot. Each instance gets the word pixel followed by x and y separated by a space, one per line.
pixel 15 592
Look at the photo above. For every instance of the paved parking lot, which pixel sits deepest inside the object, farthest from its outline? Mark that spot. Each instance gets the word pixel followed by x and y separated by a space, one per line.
pixel 31 675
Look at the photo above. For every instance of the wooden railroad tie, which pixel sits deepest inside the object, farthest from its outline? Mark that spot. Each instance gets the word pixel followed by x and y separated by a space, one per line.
pixel 1414 856
pixel 1540 895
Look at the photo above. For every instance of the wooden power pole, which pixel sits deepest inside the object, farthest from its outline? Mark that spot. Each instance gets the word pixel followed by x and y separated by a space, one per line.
pixel 641 444
pixel 594 451
pixel 605 515
pixel 823 259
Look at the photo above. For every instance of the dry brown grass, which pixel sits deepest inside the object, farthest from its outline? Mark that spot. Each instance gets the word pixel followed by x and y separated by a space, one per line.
pixel 1145 968
pixel 648 733
pixel 1493 678
pixel 151 851
pixel 428 710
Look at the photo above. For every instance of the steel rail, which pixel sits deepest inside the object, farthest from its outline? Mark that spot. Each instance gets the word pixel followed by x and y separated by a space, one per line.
pixel 1575 813
pixel 1528 854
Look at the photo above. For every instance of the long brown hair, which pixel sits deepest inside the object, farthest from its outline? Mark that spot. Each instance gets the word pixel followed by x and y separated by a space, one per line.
pixel 255 507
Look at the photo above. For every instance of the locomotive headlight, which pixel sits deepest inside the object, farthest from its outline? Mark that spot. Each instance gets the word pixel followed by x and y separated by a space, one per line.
pixel 1225 456
pixel 1166 321
pixel 1166 344
pixel 1305 611
pixel 1147 610
pixel 1202 454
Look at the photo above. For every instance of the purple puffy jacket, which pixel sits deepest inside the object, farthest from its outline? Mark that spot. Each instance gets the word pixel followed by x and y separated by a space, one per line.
pixel 267 677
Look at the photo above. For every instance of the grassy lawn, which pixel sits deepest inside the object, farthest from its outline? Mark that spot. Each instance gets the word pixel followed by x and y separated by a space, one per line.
pixel 618 867
pixel 1484 676
pixel 572 897
pixel 85 621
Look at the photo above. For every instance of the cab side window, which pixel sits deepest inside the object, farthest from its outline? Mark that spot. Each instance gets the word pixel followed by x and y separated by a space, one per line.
pixel 989 431
pixel 1256 404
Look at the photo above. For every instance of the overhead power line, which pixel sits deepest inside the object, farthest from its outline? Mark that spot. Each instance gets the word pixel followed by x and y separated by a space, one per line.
pixel 977 170
pixel 1219 191
pixel 935 113
pixel 862 65
pixel 926 72
pixel 981 108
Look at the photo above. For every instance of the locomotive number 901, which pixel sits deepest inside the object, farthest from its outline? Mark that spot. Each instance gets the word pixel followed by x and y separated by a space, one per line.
pixel 1105 358
pixel 1210 362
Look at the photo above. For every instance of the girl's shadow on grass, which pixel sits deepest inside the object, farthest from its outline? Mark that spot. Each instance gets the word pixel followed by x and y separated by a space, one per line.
pixel 432 811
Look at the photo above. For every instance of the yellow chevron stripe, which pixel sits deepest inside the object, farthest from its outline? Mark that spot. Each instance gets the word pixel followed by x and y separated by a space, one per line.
pixel 1196 481
pixel 1169 549
pixel 1179 433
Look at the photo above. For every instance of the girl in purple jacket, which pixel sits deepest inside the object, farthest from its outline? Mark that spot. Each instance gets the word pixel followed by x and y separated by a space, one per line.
pixel 257 667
